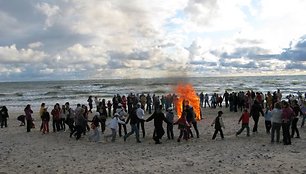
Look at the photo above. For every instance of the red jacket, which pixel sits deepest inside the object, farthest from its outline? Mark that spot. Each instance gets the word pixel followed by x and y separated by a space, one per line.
pixel 245 118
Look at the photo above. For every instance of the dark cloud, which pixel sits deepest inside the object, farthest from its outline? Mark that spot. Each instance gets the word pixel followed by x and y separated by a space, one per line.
pixel 249 52
pixel 295 66
pixel 296 52
pixel 239 65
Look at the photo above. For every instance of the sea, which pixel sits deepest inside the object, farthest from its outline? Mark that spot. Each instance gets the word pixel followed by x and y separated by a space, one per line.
pixel 16 95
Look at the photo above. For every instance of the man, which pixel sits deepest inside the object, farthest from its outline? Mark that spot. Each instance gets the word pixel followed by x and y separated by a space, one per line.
pixel 133 122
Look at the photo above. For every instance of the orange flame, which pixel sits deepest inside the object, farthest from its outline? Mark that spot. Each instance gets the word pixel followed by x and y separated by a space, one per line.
pixel 186 93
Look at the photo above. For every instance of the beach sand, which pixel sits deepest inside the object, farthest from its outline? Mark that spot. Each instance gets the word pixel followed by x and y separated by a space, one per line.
pixel 23 152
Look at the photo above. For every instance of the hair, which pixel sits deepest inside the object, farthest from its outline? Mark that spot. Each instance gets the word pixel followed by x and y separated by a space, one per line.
pixel 278 105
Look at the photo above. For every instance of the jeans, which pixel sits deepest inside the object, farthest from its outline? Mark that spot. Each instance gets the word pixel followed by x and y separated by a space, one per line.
pixel 141 123
pixel 135 130
pixel 294 128
pixel 275 128
pixel 170 131
pixel 268 126
pixel 286 133
pixel 243 126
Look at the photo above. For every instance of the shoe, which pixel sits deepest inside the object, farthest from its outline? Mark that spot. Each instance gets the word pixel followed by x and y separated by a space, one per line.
pixel 124 138
pixel 297 137
pixel 138 141
pixel 158 142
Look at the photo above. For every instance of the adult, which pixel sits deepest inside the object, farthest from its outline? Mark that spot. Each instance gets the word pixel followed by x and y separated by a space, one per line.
pixel 276 119
pixel 133 122
pixel 3 116
pixel 158 117
pixel 287 115
pixel 28 113
pixel 140 114
pixel 256 110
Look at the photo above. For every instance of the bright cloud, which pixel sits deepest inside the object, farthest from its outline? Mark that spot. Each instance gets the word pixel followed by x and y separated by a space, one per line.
pixel 76 39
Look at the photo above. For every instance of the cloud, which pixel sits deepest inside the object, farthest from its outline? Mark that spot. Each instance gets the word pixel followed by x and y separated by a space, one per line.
pixel 10 54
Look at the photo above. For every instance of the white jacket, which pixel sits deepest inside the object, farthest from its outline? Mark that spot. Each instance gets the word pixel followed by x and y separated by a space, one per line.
pixel 113 124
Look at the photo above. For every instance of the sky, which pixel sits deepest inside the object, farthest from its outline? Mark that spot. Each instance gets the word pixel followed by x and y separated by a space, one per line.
pixel 106 39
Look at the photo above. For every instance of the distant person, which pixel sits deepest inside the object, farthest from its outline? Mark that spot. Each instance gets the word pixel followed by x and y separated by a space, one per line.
pixel 90 102
pixel 28 113
pixel 245 117
pixel 218 122
pixel 206 100
pixel 4 116
pixel 109 108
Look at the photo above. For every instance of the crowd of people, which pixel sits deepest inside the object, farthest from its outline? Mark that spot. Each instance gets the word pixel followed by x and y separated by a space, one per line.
pixel 121 110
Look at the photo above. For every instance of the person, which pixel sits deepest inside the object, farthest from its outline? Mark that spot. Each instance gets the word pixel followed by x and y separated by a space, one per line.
pixel 95 136
pixel 103 114
pixel 303 113
pixel 90 101
pixel 80 122
pixel 276 118
pixel 268 120
pixel 206 100
pixel 56 117
pixel 169 117
pixel 133 122
pixel 297 111
pixel 158 117
pixel 226 97
pixel 28 113
pixel 63 116
pixel 191 119
pixel 122 114
pixel 41 110
pixel 140 114
pixel 256 110
pixel 218 122
pixel 21 118
pixel 45 117
pixel 69 116
pixel 183 127
pixel 245 122
pixel 109 108
pixel 201 99
pixel 113 125
pixel 287 115
pixel 3 116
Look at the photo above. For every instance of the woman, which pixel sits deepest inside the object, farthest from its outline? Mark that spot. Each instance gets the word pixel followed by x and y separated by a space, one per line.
pixel 56 117
pixel 276 118
pixel 28 113
pixel 287 116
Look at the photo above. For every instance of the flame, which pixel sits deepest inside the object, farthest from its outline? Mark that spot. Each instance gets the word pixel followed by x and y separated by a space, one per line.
pixel 186 94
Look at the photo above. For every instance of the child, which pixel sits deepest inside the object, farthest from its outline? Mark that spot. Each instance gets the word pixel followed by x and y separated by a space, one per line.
pixel 218 122
pixel 268 116
pixel 183 126
pixel 113 125
pixel 245 122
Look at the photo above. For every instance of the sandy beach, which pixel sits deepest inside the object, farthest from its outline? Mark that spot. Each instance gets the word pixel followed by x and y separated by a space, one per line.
pixel 23 152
